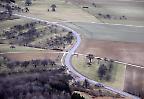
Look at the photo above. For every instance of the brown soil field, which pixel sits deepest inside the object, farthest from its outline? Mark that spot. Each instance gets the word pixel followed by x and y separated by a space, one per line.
pixel 123 51
pixel 25 56
pixel 134 80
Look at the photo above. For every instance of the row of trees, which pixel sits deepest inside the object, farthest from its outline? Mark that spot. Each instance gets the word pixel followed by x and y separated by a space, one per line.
pixel 34 63
pixel 108 16
pixel 27 65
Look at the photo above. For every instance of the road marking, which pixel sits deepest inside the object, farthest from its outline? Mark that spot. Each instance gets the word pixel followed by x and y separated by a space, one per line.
pixel 119 25
pixel 63 59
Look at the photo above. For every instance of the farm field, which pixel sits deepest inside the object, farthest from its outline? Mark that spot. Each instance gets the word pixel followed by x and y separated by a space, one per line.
pixel 117 42
pixel 64 11
pixel 122 51
pixel 134 80
pixel 131 9
pixel 37 55
pixel 108 32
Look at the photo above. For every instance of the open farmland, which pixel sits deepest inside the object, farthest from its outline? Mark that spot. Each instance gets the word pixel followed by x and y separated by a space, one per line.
pixel 91 40
pixel 114 11
pixel 37 55
pixel 122 51
pixel 108 32
pixel 64 11
pixel 134 81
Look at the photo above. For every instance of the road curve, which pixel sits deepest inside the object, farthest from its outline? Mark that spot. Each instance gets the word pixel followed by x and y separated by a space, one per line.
pixel 68 57
pixel 67 62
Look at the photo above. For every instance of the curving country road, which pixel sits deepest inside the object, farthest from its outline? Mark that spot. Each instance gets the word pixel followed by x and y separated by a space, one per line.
pixel 67 62
pixel 68 56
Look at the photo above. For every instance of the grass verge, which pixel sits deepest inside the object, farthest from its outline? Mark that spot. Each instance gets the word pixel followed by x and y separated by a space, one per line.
pixel 118 73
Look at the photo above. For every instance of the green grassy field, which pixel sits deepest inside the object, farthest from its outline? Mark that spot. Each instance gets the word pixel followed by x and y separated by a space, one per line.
pixel 132 10
pixel 10 23
pixel 107 32
pixel 118 73
pixel 6 48
pixel 64 11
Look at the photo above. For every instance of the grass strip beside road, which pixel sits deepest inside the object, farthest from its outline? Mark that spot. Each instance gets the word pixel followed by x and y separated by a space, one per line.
pixel 90 71
pixel 7 48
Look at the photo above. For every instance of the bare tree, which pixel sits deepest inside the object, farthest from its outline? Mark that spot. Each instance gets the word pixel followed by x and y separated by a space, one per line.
pixel 86 83
pixel 53 6
pixel 98 60
pixel 90 57
pixel 28 2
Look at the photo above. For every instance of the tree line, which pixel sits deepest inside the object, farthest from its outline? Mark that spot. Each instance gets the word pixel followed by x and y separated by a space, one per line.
pixel 22 66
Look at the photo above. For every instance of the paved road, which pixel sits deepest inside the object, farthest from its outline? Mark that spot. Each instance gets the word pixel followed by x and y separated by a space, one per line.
pixel 70 53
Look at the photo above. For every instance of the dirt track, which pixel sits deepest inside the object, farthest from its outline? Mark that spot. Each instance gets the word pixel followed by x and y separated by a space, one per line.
pixel 122 51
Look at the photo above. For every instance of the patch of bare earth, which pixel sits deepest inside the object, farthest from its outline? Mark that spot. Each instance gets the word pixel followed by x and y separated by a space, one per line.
pixel 122 51
pixel 134 81
pixel 87 96
pixel 25 56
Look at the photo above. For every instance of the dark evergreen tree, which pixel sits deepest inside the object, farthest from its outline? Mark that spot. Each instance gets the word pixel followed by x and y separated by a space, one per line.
pixel 53 7
pixel 77 96
pixel 102 71
pixel 28 2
